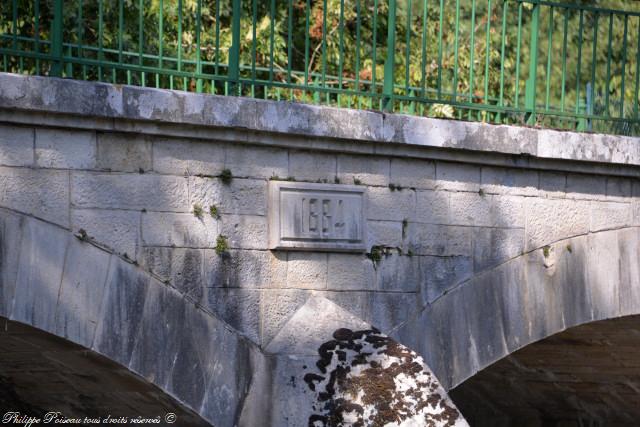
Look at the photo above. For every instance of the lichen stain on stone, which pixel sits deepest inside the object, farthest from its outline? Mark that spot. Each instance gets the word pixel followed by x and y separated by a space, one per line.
pixel 367 379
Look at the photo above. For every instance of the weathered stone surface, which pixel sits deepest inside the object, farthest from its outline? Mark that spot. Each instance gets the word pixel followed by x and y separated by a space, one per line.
pixel 277 308
pixel 179 230
pixel 385 204
pixel 181 267
pixel 124 152
pixel 459 177
pixel 244 269
pixel 493 246
pixel 443 274
pixel 244 231
pixel 385 233
pixel 140 191
pixel 183 157
pixel 433 207
pixel 509 181
pixel 42 255
pixel 11 226
pixel 586 187
pixel 348 272
pixel 441 240
pixel 240 308
pixel 63 149
pixel 121 312
pixel 551 220
pixel 610 215
pixel 115 229
pixel 307 270
pixel 80 296
pixel 41 193
pixel 16 146
pixel 487 210
pixel 241 196
pixel 363 170
pixel 306 166
pixel 256 162
pixel 409 173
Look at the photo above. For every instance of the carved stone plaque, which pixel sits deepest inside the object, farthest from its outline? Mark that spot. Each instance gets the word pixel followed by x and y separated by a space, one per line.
pixel 325 217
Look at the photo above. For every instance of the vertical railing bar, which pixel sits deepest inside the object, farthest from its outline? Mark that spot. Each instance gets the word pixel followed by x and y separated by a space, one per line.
pixel 306 45
pixel 564 59
pixel 141 40
pixel 519 43
pixel 100 38
pixel 439 82
pixel 505 8
pixel 389 64
pixel 290 45
pixel 488 53
pixel 272 35
pixel 324 45
pixel 374 54
pixel 340 48
pixel 36 11
pixel 624 64
pixel 456 35
pixel 199 83
pixel 423 65
pixel 579 65
pixel 549 47
pixel 120 28
pixel 234 52
pixel 357 67
pixel 56 39
pixel 472 52
pixel 14 24
pixel 637 88
pixel 179 42
pixel 160 40
pixel 407 64
pixel 217 66
pixel 608 79
pixel 593 59
pixel 254 42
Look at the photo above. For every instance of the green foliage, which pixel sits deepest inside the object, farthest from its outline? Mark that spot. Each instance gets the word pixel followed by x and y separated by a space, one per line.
pixel 213 211
pixel 198 212
pixel 222 245
pixel 226 176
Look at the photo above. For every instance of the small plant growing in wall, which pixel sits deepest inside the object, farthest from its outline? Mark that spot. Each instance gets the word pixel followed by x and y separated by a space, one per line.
pixel 405 225
pixel 222 245
pixel 546 251
pixel 356 181
pixel 226 176
pixel 213 211
pixel 198 212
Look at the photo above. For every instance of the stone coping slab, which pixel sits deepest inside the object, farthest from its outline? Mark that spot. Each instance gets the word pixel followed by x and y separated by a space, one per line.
pixel 319 124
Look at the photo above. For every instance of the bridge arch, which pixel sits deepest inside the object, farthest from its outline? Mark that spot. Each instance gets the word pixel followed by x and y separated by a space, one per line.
pixel 57 287
pixel 536 295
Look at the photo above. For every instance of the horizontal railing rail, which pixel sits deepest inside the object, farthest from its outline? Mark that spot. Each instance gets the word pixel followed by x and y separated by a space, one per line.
pixel 561 65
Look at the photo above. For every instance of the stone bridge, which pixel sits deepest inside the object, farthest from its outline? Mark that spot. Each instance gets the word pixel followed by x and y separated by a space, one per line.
pixel 237 262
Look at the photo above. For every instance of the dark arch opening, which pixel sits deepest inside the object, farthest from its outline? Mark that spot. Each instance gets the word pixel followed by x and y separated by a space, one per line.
pixel 42 373
pixel 586 376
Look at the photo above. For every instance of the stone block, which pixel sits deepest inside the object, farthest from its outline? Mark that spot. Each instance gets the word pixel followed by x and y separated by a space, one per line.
pixel 185 157
pixel 618 189
pixel 553 184
pixel 396 273
pixel 122 310
pixel 410 173
pixel 550 220
pixel 457 177
pixel 487 210
pixel 11 226
pixel 183 268
pixel 307 270
pixel 41 193
pixel 256 162
pixel 277 308
pixel 240 308
pixel 629 291
pixel 349 272
pixel 441 240
pixel 442 274
pixel 131 191
pixel 384 233
pixel 384 204
pixel 610 215
pixel 433 207
pixel 16 146
pixel 244 231
pixel 81 291
pixel 115 229
pixel 42 255
pixel 307 166
pixel 161 330
pixel 509 181
pixel 391 309
pixel 364 170
pixel 343 123
pixel 241 196
pixel 586 187
pixel 604 274
pixel 244 269
pixel 124 152
pixel 179 230
pixel 65 149
pixel 493 246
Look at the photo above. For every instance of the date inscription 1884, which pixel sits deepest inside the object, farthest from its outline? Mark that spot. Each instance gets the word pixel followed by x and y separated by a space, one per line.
pixel 304 216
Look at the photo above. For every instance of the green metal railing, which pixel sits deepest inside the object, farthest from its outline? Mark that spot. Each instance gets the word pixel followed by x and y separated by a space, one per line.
pixel 538 62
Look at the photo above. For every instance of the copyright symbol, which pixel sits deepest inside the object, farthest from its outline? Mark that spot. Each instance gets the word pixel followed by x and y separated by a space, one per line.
pixel 170 418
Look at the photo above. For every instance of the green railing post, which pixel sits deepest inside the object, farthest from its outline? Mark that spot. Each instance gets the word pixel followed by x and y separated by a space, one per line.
pixel 530 94
pixel 234 52
pixel 389 66
pixel 57 60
